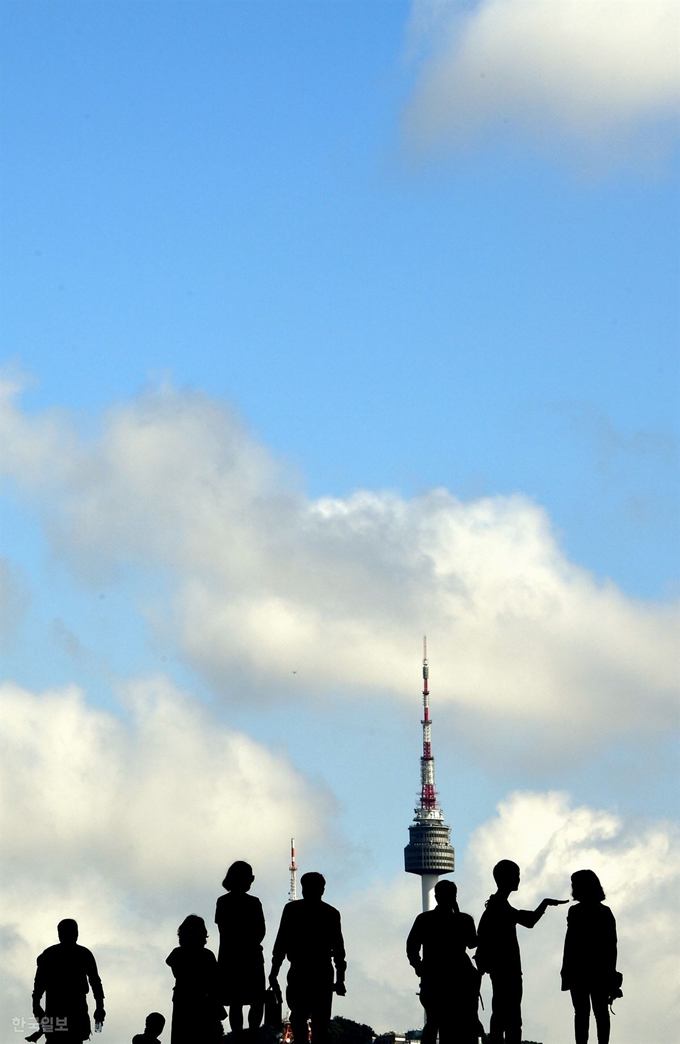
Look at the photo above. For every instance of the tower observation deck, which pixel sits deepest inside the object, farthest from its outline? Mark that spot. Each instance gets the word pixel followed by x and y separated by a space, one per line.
pixel 429 852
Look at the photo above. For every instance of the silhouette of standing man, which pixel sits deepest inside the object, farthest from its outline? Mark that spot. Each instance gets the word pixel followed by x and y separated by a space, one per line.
pixel 310 936
pixel 65 974
pixel 498 952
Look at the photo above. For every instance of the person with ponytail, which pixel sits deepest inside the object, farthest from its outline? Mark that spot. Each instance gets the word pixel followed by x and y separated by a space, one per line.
pixel 449 982
pixel 590 950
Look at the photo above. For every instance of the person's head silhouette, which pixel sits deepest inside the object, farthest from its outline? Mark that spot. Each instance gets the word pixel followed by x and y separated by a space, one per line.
pixel 313 885
pixel 192 931
pixel 239 877
pixel 586 887
pixel 155 1022
pixel 445 894
pixel 67 930
pixel 506 876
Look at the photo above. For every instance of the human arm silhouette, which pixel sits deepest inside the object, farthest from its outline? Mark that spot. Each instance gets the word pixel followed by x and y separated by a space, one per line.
pixel 528 918
pixel 414 943
pixel 470 932
pixel 39 987
pixel 259 926
pixel 338 953
pixel 278 953
pixel 96 987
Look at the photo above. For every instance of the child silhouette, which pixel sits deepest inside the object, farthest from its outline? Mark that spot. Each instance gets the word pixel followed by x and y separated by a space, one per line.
pixel 196 1008
pixel 153 1027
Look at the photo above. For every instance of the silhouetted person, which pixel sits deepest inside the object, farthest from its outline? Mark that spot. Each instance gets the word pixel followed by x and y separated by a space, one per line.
pixel 310 936
pixel 240 961
pixel 65 974
pixel 498 952
pixel 153 1027
pixel 196 1007
pixel 449 982
pixel 589 964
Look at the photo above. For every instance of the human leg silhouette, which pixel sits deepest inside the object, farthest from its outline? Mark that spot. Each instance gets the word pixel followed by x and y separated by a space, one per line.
pixel 506 1010
pixel 599 1001
pixel 320 1015
pixel 431 1026
pixel 255 1016
pixel 235 1018
pixel 580 998
pixel 299 1003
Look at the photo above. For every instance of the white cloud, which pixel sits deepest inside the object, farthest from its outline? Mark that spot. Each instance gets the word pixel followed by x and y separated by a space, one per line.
pixel 593 71
pixel 128 824
pixel 639 866
pixel 339 590
pixel 168 795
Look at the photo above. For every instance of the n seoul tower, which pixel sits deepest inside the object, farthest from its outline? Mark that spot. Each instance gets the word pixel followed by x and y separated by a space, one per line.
pixel 429 852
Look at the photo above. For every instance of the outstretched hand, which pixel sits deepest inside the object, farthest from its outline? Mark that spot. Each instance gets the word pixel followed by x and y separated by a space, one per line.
pixel 555 902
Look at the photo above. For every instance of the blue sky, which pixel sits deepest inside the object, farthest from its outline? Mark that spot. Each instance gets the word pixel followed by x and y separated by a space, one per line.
pixel 228 200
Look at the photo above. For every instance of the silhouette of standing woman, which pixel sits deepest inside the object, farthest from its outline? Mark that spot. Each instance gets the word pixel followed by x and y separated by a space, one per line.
pixel 589 964
pixel 449 982
pixel 240 962
pixel 196 1007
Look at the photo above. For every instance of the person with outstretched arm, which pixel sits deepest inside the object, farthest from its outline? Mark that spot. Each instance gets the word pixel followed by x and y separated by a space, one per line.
pixel 310 937
pixel 498 952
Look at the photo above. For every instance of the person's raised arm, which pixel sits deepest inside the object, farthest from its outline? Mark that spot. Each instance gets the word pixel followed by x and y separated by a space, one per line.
pixel 528 918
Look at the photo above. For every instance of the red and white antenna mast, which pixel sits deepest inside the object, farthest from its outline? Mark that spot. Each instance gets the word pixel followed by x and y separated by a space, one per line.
pixel 292 895
pixel 429 852
pixel 428 796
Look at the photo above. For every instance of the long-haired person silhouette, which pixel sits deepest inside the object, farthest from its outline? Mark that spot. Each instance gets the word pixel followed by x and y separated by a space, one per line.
pixel 65 974
pixel 240 961
pixel 590 950
pixel 196 1007
pixel 449 982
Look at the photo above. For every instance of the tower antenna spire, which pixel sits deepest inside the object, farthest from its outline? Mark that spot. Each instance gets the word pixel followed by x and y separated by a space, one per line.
pixel 292 895
pixel 429 852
